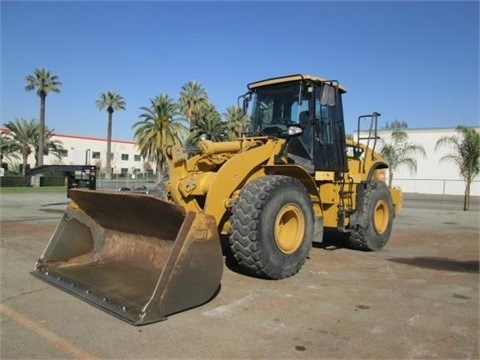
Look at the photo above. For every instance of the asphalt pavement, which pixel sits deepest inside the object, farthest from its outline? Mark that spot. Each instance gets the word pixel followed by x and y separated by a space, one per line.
pixel 417 298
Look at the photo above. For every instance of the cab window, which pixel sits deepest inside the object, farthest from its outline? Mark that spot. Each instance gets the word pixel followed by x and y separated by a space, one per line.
pixel 324 116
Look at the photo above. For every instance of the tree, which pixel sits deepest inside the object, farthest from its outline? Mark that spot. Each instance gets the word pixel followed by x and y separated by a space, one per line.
pixel 24 134
pixel 112 102
pixel 160 126
pixel 209 124
pixel 24 138
pixel 8 147
pixel 465 154
pixel 399 151
pixel 237 122
pixel 44 82
pixel 54 147
pixel 193 100
pixel 396 125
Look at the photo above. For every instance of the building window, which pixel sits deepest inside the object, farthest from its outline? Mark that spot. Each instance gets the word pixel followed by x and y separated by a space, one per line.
pixel 95 154
pixel 125 157
pixel 137 158
pixel 124 171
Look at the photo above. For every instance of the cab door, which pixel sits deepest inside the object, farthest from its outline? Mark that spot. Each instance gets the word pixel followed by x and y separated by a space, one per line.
pixel 329 142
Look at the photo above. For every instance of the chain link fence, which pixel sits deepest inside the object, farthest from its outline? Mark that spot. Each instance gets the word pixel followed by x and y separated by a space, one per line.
pixel 441 187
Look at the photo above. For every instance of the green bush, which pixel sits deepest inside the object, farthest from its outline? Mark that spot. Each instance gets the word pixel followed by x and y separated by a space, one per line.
pixel 14 181
pixel 52 180
pixel 24 181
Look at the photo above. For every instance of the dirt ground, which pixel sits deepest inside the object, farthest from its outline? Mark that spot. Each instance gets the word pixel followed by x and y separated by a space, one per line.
pixel 416 299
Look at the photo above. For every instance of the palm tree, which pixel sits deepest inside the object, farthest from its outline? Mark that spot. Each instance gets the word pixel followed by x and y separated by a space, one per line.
pixel 237 122
pixel 399 151
pixel 8 147
pixel 24 134
pixel 160 126
pixel 112 102
pixel 193 100
pixel 465 154
pixel 44 82
pixel 54 147
pixel 209 124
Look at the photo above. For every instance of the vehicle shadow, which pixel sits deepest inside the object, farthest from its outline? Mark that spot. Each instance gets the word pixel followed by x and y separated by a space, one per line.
pixel 332 240
pixel 57 208
pixel 440 263
pixel 230 261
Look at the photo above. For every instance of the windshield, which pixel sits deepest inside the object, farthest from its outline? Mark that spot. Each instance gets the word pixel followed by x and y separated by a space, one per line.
pixel 274 108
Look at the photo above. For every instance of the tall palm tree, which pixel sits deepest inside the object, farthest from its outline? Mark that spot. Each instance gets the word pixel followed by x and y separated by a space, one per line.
pixel 111 101
pixel 209 124
pixel 44 82
pixel 193 100
pixel 465 154
pixel 237 122
pixel 24 133
pixel 399 151
pixel 160 126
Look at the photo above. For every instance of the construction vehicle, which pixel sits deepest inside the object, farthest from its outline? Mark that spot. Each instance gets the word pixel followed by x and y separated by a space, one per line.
pixel 272 192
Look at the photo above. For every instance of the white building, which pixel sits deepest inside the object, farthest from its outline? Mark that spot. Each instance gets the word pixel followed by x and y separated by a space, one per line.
pixel 82 150
pixel 432 176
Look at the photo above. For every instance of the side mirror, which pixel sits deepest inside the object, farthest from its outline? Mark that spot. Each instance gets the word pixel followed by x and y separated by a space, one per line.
pixel 246 99
pixel 329 94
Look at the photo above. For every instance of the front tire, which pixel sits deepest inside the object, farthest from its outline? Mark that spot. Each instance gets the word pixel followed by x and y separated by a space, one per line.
pixel 374 218
pixel 272 227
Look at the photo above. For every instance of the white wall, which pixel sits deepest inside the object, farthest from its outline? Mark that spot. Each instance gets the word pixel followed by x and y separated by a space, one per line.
pixel 81 151
pixel 432 176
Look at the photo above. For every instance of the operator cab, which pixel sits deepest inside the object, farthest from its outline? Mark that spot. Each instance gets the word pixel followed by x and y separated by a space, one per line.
pixel 312 103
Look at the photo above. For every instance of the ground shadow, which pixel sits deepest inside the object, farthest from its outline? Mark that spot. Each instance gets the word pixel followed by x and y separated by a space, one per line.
pixel 45 208
pixel 230 261
pixel 332 240
pixel 440 263
pixel 63 203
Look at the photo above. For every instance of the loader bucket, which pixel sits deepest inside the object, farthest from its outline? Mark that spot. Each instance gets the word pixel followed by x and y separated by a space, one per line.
pixel 135 256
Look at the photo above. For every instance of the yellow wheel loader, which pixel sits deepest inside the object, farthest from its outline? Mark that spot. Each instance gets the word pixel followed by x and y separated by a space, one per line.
pixel 272 192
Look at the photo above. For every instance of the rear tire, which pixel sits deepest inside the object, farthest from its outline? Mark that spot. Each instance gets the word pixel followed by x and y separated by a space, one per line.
pixel 272 227
pixel 374 219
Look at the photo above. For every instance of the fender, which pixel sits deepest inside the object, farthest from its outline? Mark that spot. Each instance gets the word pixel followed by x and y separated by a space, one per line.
pixel 378 165
pixel 233 175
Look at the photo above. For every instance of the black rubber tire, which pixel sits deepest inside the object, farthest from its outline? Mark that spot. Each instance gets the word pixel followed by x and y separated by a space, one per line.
pixel 261 205
pixel 374 219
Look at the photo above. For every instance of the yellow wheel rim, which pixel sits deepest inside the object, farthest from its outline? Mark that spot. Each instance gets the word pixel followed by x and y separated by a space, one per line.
pixel 289 228
pixel 380 217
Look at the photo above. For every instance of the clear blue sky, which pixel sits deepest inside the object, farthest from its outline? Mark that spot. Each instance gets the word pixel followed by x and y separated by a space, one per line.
pixel 417 62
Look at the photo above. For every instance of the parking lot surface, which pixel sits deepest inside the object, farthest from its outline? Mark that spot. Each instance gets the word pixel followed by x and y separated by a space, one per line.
pixel 417 298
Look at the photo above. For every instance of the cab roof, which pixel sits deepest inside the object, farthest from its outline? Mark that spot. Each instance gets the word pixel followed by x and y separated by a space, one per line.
pixel 290 78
